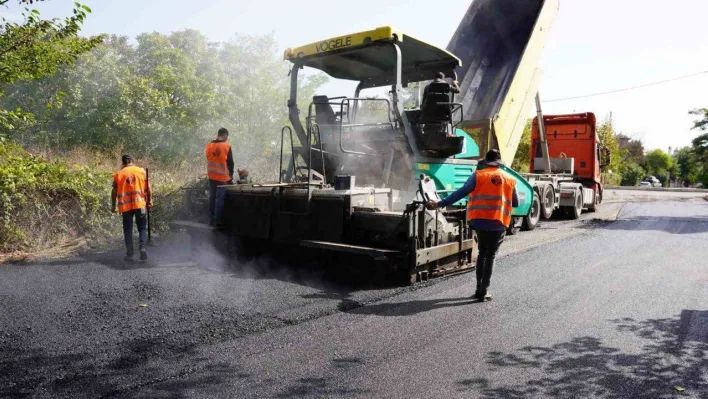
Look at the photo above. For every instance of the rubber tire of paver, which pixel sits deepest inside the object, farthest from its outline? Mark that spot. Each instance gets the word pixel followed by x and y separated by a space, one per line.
pixel 531 220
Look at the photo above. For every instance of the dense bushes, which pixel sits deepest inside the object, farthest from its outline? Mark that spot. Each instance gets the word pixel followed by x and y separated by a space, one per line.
pixel 46 204
pixel 631 174
pixel 43 204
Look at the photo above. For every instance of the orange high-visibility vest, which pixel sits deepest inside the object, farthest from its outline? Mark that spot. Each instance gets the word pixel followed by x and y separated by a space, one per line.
pixel 131 188
pixel 216 154
pixel 492 196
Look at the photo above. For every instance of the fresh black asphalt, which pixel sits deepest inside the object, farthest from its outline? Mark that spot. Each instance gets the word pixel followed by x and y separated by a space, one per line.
pixel 620 310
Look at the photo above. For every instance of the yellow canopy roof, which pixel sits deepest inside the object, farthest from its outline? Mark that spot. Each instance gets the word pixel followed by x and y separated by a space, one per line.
pixel 365 57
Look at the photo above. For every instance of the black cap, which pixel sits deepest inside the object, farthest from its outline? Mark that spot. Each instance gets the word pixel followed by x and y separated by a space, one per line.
pixel 440 75
pixel 493 156
pixel 126 159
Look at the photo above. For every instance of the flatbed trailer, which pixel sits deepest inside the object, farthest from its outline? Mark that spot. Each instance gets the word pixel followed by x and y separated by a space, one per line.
pixel 560 192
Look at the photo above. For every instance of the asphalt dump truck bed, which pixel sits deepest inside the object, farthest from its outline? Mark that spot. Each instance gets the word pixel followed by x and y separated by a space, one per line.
pixel 351 190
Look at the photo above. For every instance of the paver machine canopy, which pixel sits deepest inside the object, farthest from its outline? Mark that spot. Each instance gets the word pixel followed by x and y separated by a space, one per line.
pixel 379 152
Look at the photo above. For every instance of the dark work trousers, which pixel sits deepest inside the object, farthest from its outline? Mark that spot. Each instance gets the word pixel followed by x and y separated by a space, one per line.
pixel 489 243
pixel 140 216
pixel 213 184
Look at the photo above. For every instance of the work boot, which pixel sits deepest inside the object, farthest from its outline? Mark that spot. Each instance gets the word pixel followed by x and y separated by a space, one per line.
pixel 128 258
pixel 143 253
pixel 483 295
pixel 478 292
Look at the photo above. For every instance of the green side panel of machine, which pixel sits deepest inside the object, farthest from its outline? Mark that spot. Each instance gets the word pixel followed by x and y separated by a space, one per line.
pixel 470 149
pixel 524 189
pixel 449 177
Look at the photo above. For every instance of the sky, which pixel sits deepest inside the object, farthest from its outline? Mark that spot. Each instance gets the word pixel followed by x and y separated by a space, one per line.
pixel 594 46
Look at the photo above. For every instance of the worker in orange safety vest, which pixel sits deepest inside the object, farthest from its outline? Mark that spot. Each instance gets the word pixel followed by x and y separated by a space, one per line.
pixel 220 169
pixel 133 195
pixel 492 195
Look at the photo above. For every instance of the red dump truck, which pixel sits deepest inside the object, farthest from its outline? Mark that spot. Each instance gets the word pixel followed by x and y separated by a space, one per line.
pixel 566 161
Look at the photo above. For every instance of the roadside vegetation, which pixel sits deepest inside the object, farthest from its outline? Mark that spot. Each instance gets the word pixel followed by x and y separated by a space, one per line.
pixel 70 105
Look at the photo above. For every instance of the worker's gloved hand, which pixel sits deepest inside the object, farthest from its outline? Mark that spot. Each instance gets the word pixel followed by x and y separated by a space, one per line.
pixel 432 205
pixel 149 205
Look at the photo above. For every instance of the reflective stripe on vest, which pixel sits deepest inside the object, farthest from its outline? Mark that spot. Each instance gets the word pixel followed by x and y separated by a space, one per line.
pixel 131 188
pixel 131 193
pixel 492 196
pixel 217 154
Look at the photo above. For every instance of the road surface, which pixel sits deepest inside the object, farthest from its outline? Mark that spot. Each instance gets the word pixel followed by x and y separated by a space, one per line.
pixel 614 305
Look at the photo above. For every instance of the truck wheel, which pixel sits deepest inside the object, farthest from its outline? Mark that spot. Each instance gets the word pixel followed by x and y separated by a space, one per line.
pixel 574 212
pixel 548 199
pixel 531 220
pixel 596 204
pixel 514 228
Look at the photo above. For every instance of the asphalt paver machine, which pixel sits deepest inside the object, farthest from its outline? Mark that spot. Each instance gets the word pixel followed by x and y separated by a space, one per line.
pixel 355 187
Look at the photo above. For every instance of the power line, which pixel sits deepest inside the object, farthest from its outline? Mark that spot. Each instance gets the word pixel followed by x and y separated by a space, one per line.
pixel 627 88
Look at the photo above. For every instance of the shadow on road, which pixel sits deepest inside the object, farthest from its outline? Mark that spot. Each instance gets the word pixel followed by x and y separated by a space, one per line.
pixel 233 260
pixel 321 387
pixel 143 364
pixel 406 308
pixel 673 362
pixel 667 224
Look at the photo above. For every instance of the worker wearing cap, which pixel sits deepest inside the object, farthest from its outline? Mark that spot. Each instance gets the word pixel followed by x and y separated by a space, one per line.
pixel 133 195
pixel 492 195
pixel 242 176
pixel 220 168
pixel 440 78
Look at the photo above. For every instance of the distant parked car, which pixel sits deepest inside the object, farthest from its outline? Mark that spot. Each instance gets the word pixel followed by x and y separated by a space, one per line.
pixel 653 181
pixel 645 184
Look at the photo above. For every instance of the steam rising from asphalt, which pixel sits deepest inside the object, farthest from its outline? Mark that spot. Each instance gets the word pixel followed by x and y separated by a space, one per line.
pixel 233 271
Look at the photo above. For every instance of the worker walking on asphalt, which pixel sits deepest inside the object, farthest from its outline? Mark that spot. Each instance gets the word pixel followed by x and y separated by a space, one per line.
pixel 220 168
pixel 133 195
pixel 492 194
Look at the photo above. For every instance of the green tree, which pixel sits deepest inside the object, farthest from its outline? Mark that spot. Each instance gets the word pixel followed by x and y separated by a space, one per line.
pixel 522 158
pixel 164 97
pixel 659 164
pixel 700 148
pixel 608 138
pixel 702 123
pixel 36 48
pixel 632 151
pixel 689 168
pixel 631 173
